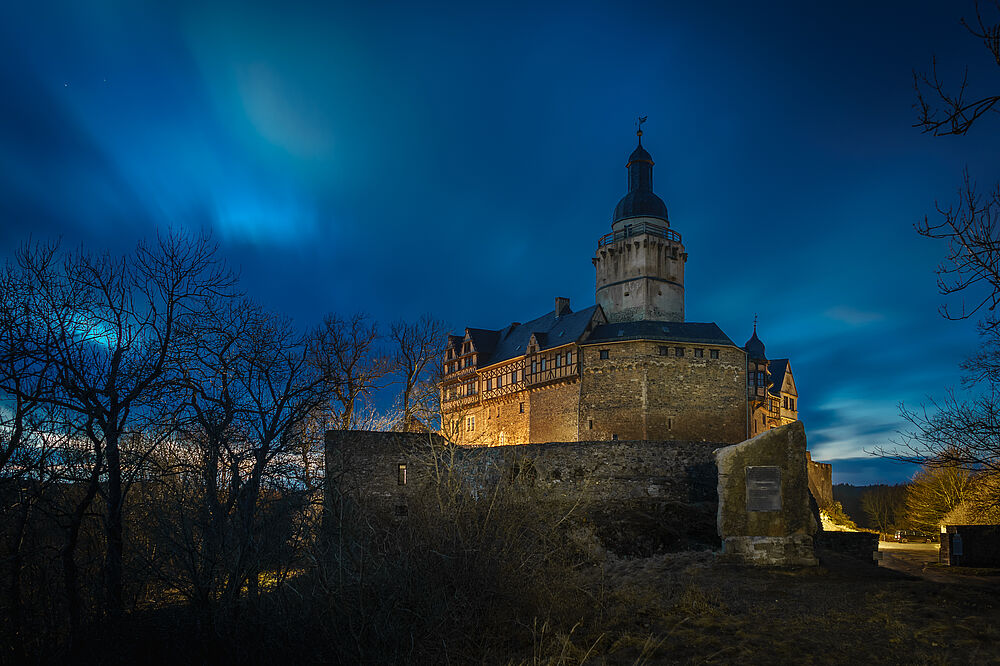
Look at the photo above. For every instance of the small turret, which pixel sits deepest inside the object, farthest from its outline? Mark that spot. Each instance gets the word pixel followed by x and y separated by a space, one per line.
pixel 754 347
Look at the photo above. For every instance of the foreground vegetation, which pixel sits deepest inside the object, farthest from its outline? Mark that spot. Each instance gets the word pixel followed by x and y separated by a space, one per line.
pixel 499 576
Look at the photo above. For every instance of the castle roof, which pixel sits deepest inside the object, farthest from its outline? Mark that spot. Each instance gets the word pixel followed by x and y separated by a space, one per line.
pixel 640 200
pixel 550 330
pixel 707 333
pixel 484 340
pixel 754 347
pixel 777 369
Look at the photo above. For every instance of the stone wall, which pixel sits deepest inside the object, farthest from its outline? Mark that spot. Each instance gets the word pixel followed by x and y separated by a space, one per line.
pixel 764 514
pixel 970 546
pixel 858 545
pixel 555 413
pixel 820 481
pixel 636 393
pixel 641 276
pixel 365 466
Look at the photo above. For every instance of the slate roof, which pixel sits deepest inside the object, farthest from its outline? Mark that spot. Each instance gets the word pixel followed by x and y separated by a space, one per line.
pixel 673 331
pixel 640 203
pixel 512 341
pixel 777 368
pixel 754 346
pixel 484 340
pixel 639 154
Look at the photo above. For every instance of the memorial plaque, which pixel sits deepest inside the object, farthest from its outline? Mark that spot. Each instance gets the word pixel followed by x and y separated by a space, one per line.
pixel 763 489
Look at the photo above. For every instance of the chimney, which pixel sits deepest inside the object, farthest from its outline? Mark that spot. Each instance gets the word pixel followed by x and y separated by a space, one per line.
pixel 562 306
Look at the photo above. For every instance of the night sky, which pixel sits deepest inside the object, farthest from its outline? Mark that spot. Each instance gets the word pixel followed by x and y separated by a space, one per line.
pixel 407 158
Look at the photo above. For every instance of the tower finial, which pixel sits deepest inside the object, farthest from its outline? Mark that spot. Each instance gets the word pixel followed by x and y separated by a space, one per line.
pixel 638 127
pixel 755 323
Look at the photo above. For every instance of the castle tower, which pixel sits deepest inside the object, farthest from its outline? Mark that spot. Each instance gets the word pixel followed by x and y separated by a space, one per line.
pixel 640 264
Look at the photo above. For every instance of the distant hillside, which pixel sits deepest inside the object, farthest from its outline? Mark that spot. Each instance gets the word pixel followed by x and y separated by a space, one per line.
pixel 849 497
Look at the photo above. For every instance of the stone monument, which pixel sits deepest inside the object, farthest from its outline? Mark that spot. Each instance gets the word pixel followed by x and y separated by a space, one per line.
pixel 764 516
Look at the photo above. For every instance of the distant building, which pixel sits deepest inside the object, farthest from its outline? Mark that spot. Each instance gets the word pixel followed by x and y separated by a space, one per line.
pixel 628 367
pixel 771 393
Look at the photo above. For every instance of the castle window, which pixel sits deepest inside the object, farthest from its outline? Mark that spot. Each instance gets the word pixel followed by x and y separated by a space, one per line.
pixel 489 384
pixel 791 404
pixel 470 423
pixel 544 364
pixel 760 378
pixel 569 358
pixel 534 366
pixel 614 437
pixel 604 353
pixel 454 427
pixel 713 353
pixel 503 439
pixel 699 353
pixel 401 474
pixel 521 408
pixel 558 360
pixel 785 401
pixel 590 424
pixel 679 351
pixel 513 377
pixel 663 351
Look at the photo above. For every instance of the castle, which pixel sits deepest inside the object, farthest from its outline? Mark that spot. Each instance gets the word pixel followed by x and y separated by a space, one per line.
pixel 627 368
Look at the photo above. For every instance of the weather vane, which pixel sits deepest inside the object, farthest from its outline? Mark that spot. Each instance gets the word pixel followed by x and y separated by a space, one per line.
pixel 638 125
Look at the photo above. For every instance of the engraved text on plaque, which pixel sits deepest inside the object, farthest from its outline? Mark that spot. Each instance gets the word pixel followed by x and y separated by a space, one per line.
pixel 763 489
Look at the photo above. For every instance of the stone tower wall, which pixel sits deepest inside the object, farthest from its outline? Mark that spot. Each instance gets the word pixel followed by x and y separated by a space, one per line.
pixel 641 277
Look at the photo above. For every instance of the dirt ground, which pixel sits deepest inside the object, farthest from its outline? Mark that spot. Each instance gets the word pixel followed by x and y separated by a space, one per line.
pixel 683 608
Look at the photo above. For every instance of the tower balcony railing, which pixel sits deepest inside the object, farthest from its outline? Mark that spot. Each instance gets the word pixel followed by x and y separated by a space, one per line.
pixel 639 229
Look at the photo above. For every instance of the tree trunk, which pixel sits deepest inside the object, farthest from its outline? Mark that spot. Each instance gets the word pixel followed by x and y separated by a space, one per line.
pixel 14 588
pixel 113 527
pixel 68 557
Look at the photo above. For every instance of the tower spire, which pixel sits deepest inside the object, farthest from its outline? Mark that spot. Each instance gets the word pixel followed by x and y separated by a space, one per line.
pixel 638 127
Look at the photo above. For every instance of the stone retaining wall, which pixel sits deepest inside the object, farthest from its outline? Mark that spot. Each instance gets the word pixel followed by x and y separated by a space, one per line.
pixel 858 545
pixel 367 465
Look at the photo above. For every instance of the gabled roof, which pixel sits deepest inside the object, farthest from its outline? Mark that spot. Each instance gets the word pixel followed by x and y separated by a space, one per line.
pixel 512 341
pixel 672 331
pixel 777 368
pixel 484 340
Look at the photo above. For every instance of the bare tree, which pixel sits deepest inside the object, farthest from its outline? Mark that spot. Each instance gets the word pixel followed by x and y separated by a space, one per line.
pixel 945 109
pixel 348 350
pixel 956 434
pixel 934 492
pixel 418 349
pixel 104 339
pixel 284 384
pixel 884 506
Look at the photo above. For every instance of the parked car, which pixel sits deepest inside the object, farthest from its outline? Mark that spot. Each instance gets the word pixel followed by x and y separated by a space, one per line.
pixel 908 536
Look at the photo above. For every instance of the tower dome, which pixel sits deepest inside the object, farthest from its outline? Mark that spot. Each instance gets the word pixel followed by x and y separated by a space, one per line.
pixel 640 200
pixel 754 347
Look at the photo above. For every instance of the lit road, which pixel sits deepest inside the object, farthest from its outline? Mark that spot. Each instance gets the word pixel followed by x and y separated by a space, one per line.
pixel 911 558
pixel 916 559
